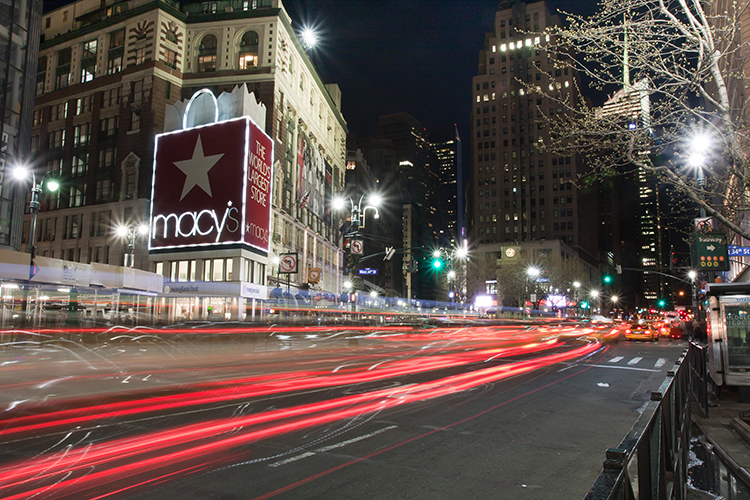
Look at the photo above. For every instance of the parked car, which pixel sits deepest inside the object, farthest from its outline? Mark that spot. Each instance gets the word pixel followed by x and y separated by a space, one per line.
pixel 642 331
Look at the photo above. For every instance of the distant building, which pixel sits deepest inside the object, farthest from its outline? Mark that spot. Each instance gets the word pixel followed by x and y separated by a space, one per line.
pixel 107 72
pixel 449 164
pixel 520 192
pixel 406 172
pixel 19 38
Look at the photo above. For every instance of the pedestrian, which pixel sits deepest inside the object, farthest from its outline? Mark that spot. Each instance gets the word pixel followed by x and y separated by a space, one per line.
pixel 699 332
pixel 687 330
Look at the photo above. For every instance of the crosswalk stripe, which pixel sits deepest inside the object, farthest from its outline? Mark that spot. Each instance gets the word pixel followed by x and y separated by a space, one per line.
pixel 616 359
pixel 660 362
pixel 635 361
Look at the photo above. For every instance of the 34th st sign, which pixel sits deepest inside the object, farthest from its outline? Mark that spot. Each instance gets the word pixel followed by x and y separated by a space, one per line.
pixel 711 252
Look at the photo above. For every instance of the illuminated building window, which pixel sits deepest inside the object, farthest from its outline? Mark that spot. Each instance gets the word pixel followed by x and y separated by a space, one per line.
pixel 249 50
pixel 207 54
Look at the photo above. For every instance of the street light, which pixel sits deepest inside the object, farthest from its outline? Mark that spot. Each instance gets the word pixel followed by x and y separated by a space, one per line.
pixel 21 172
pixel 130 232
pixel 460 252
pixel 698 148
pixel 358 213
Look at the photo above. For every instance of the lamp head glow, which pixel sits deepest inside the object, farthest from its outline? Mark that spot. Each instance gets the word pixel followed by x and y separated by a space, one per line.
pixel 373 293
pixel 461 252
pixel 577 284
pixel 309 37
pixel 436 253
pixel 142 229
pixel 533 272
pixel 121 231
pixel 692 275
pixel 614 299
pixel 375 199
pixel 339 203
pixel 20 172
pixel 53 184
pixel 594 293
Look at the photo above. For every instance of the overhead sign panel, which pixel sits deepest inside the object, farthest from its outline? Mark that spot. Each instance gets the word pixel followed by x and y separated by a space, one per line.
pixel 212 186
pixel 711 252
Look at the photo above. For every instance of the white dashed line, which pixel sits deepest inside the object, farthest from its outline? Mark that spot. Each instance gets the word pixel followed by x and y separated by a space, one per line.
pixel 354 440
pixel 291 459
pixel 660 362
pixel 616 359
pixel 330 447
pixel 635 361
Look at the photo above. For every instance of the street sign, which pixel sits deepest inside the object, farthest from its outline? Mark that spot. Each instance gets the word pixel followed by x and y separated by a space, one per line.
pixel 288 263
pixel 711 252
pixel 737 251
pixel 357 247
pixel 704 223
pixel 368 271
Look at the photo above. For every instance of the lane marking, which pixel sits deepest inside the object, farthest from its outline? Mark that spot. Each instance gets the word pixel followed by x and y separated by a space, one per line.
pixel 291 459
pixel 354 440
pixel 635 361
pixel 626 368
pixel 660 362
pixel 616 359
pixel 331 447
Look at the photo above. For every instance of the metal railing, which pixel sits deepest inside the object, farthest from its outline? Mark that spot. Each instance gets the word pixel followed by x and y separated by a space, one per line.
pixel 650 463
pixel 698 357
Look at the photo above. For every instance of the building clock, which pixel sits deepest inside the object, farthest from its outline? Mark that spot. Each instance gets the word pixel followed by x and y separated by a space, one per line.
pixel 510 253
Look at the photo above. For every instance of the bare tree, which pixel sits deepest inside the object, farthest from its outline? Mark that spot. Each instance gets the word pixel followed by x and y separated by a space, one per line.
pixel 674 71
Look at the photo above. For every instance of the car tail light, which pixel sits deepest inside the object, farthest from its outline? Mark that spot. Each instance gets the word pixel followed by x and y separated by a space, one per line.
pixel 628 331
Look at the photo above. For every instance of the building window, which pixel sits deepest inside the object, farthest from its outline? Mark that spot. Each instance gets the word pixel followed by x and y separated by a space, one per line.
pixel 135 120
pixel 79 164
pixel 207 54
pixel 116 51
pixel 81 134
pixel 108 127
pixel 249 50
pixel 170 59
pixel 83 105
pixel 41 74
pixel 88 61
pixel 77 196
pixel 137 91
pixel 62 72
pixel 57 139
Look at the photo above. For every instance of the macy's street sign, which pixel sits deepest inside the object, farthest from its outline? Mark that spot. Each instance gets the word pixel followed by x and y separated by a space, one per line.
pixel 212 186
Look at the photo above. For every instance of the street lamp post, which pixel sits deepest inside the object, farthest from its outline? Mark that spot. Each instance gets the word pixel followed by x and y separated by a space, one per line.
pixel 457 252
pixel 358 213
pixel 20 173
pixel 129 232
pixel 533 273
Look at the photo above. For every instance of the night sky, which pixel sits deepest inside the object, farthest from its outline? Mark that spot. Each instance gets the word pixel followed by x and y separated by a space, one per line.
pixel 406 55
pixel 391 56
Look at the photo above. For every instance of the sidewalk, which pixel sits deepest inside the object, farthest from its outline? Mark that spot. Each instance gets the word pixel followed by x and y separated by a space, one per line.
pixel 727 437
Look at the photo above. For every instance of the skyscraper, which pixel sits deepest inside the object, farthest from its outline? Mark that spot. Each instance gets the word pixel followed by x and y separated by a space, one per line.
pixel 20 23
pixel 449 165
pixel 521 192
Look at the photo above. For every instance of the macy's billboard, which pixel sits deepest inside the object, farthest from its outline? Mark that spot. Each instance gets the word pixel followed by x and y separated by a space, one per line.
pixel 212 186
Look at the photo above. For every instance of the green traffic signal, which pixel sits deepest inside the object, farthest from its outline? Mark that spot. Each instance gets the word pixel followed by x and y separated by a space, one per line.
pixel 437 263
pixel 662 302
pixel 607 278
pixel 584 305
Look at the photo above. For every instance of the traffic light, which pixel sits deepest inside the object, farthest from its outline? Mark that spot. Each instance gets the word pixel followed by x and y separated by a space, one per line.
pixel 607 279
pixel 584 305
pixel 662 302
pixel 437 264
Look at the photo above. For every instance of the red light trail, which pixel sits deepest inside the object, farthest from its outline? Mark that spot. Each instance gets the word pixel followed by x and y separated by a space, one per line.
pixel 98 468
